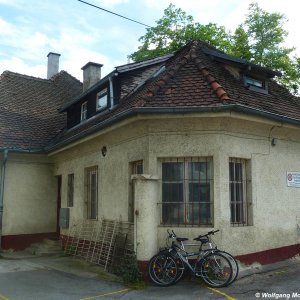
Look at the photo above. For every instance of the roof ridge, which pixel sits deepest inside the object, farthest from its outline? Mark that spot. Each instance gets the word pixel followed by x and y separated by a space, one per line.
pixel 62 72
pixel 7 72
pixel 210 79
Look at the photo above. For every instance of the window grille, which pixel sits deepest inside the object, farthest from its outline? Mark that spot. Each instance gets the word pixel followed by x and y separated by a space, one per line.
pixel 91 192
pixel 239 192
pixel 70 190
pixel 187 191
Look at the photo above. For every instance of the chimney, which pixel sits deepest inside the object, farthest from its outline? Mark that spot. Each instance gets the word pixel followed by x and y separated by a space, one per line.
pixel 91 74
pixel 53 64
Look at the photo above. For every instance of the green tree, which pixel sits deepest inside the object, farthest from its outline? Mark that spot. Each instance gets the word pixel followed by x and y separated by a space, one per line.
pixel 259 39
pixel 174 30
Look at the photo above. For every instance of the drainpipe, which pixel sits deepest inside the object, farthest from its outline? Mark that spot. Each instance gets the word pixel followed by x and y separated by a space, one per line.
pixel 2 178
pixel 111 89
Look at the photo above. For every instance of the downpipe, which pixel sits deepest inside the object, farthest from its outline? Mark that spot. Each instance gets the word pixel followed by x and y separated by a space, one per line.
pixel 2 178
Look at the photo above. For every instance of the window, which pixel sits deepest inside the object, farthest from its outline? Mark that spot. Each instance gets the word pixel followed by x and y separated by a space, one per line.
pixel 83 115
pixel 254 82
pixel 136 167
pixel 239 189
pixel 257 85
pixel 70 190
pixel 187 192
pixel 101 102
pixel 91 192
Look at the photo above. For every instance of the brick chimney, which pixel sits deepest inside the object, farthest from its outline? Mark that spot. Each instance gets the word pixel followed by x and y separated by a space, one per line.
pixel 91 74
pixel 53 64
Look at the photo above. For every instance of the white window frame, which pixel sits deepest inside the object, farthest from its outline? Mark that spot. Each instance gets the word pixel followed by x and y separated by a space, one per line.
pixel 83 114
pixel 102 96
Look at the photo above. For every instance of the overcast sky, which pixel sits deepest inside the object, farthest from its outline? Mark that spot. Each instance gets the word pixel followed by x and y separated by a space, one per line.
pixel 30 29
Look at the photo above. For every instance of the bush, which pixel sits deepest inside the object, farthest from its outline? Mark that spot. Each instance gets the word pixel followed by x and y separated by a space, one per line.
pixel 128 270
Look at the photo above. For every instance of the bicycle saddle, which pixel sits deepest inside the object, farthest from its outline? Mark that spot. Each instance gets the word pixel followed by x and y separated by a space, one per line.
pixel 181 239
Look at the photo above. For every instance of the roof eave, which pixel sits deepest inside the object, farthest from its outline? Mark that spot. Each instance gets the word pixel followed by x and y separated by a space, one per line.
pixel 182 110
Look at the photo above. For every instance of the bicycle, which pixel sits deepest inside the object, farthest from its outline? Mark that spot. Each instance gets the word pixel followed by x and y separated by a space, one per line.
pixel 168 265
pixel 207 240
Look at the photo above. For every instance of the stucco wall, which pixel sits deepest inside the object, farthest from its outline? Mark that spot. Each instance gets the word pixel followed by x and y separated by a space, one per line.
pixel 276 207
pixel 29 195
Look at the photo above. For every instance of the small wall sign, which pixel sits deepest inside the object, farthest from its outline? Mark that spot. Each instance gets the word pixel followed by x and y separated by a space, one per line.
pixel 293 179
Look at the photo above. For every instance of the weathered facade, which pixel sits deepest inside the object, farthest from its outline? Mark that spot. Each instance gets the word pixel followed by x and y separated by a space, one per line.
pixel 191 141
pixel 29 119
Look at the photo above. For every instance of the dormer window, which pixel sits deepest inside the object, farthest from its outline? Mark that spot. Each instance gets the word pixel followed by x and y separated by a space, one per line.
pixel 256 84
pixel 102 99
pixel 83 114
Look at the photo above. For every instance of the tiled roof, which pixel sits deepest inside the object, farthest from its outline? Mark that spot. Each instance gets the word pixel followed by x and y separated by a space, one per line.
pixel 191 81
pixel 29 116
pixel 188 81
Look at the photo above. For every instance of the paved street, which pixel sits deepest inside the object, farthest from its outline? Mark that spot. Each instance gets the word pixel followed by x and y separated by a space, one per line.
pixel 65 279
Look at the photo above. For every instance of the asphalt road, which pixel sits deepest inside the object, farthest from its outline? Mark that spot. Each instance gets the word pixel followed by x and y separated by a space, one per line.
pixel 53 278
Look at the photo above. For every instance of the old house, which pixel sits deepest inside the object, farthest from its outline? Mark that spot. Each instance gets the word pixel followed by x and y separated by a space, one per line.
pixel 29 120
pixel 191 141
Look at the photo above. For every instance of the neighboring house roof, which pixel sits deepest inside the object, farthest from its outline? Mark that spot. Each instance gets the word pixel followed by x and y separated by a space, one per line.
pixel 29 116
pixel 191 80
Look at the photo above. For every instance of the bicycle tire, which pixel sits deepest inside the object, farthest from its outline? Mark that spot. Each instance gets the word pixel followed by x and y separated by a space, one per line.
pixel 162 269
pixel 234 264
pixel 216 270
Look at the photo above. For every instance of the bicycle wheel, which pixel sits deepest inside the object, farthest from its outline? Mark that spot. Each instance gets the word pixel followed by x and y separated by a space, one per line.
pixel 234 264
pixel 162 269
pixel 216 270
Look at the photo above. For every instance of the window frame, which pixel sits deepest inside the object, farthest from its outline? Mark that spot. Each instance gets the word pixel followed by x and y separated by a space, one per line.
pixel 101 95
pixel 250 81
pixel 188 212
pixel 70 190
pixel 91 192
pixel 83 111
pixel 240 201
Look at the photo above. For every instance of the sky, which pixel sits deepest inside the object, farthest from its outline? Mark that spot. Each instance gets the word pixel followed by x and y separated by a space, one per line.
pixel 30 29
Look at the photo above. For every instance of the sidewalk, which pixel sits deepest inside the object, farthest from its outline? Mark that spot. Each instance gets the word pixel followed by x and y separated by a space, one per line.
pixel 67 264
pixel 80 267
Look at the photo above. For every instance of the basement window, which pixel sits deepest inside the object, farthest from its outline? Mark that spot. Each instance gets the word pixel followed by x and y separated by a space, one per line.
pixel 102 99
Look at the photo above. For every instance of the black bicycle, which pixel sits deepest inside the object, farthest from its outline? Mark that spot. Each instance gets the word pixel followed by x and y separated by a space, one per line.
pixel 168 265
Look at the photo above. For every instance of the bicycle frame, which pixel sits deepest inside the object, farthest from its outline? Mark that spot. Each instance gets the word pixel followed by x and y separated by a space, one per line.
pixel 184 257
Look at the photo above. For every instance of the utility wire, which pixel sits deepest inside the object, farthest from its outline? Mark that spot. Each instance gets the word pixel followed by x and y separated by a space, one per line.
pixel 114 13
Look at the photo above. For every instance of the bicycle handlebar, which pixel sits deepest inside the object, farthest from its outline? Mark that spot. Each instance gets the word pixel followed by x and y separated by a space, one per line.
pixel 206 235
pixel 172 234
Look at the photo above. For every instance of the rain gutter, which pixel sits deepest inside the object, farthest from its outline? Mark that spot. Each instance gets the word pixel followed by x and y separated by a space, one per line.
pixel 173 110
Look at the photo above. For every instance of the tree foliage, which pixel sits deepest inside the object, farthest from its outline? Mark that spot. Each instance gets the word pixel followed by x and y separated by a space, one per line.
pixel 259 39
pixel 173 31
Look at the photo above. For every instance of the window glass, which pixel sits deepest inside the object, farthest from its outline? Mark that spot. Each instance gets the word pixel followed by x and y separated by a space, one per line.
pixel 83 115
pixel 91 192
pixel 187 192
pixel 70 190
pixel 102 99
pixel 239 192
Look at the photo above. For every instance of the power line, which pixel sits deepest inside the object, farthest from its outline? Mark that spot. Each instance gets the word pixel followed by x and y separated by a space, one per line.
pixel 113 13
